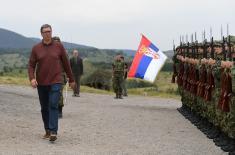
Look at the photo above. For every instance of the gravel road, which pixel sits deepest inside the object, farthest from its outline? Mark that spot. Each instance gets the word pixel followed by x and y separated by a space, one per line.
pixel 96 124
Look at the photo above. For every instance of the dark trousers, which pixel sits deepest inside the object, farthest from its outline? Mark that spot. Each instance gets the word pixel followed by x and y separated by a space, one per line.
pixel 77 87
pixel 49 98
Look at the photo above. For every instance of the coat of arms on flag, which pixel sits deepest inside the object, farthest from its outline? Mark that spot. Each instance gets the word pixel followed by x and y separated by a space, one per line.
pixel 147 62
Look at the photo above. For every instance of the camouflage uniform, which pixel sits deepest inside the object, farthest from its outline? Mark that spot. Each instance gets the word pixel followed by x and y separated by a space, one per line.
pixel 230 118
pixel 231 115
pixel 211 90
pixel 118 74
pixel 196 98
pixel 217 72
pixel 64 81
pixel 124 92
pixel 185 94
pixel 180 80
pixel 200 106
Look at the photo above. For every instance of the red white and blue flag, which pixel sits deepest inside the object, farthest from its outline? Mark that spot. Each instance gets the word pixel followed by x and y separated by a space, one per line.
pixel 147 62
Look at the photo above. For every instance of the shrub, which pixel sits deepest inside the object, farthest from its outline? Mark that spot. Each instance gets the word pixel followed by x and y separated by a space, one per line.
pixel 99 79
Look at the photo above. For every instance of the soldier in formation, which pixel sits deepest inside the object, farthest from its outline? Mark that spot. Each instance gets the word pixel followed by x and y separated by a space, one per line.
pixel 205 74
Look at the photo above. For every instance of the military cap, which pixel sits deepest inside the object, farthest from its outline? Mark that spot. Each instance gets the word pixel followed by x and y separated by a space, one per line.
pixel 217 44
pixel 200 45
pixel 56 38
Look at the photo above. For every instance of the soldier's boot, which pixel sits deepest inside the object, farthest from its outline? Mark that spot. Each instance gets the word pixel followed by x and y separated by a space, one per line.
pixel 181 109
pixel 202 124
pixel 186 112
pixel 230 147
pixel 214 133
pixel 60 112
pixel 199 122
pixel 207 128
pixel 125 94
pixel 194 118
pixel 120 96
pixel 197 119
pixel 116 96
pixel 224 143
pixel 219 139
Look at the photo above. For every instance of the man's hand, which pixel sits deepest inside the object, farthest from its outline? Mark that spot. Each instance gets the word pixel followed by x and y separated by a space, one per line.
pixel 72 85
pixel 34 83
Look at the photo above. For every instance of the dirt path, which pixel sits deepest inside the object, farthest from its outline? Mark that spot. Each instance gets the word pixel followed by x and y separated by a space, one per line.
pixel 99 125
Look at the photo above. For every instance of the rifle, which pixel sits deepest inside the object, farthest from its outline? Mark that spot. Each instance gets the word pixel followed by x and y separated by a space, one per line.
pixel 212 48
pixel 174 65
pixel 223 49
pixel 229 48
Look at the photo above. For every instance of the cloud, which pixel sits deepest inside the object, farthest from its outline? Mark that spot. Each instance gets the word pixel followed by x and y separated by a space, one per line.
pixel 117 23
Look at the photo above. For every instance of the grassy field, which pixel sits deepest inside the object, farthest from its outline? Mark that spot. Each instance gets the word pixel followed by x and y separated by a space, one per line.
pixel 162 86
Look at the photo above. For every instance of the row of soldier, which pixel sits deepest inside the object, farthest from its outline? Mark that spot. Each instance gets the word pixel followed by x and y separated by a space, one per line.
pixel 206 82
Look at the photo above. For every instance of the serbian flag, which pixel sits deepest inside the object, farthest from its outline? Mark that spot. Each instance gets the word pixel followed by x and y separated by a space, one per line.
pixel 147 62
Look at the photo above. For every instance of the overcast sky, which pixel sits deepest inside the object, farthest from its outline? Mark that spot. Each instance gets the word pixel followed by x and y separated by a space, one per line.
pixel 118 23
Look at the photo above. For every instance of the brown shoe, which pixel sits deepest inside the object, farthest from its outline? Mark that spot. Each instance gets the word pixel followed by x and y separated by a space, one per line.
pixel 47 134
pixel 53 137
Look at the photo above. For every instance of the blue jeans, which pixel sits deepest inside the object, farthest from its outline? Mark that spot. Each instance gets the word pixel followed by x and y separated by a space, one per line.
pixel 49 98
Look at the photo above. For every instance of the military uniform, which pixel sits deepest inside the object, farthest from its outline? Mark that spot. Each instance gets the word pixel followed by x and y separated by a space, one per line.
pixel 118 75
pixel 64 81
pixel 125 79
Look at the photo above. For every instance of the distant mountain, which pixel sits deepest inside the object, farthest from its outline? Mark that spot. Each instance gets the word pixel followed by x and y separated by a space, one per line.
pixel 9 39
pixel 169 54
pixel 67 45
pixel 13 40
pixel 129 52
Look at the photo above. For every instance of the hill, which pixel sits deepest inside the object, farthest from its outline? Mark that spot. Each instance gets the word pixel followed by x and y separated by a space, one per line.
pixel 13 40
pixel 67 45
pixel 9 39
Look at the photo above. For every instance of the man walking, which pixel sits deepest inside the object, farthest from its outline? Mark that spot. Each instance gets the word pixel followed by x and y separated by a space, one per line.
pixel 77 69
pixel 45 60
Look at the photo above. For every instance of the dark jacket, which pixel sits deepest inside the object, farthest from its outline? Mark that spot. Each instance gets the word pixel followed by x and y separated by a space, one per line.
pixel 76 66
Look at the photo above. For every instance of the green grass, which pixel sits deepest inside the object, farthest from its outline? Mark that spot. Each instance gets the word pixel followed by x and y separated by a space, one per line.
pixel 14 80
pixel 162 86
pixel 151 91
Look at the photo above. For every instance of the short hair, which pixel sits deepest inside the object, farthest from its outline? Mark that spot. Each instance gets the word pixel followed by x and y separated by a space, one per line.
pixel 55 38
pixel 45 26
pixel 75 51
